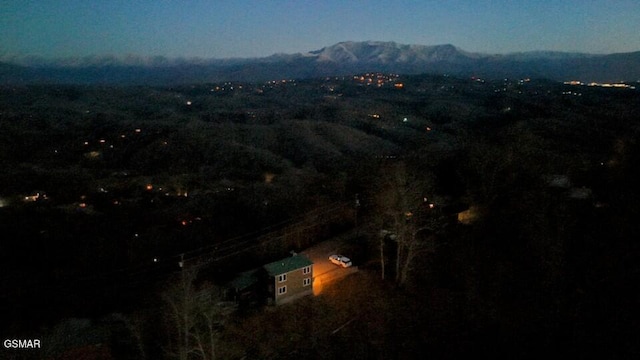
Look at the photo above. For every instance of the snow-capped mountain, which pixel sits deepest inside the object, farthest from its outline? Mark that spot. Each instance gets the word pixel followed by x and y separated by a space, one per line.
pixel 387 52
pixel 343 58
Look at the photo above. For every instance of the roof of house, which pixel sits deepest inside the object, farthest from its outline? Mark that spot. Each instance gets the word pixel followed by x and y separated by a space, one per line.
pixel 287 265
pixel 244 280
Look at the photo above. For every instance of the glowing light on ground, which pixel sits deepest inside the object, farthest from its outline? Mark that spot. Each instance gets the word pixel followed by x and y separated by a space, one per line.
pixel 317 286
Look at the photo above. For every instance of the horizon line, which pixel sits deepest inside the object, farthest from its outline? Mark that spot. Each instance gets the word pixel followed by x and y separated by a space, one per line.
pixel 133 59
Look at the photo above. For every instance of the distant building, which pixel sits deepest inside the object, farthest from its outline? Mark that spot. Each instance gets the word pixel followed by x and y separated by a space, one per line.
pixel 558 181
pixel 470 215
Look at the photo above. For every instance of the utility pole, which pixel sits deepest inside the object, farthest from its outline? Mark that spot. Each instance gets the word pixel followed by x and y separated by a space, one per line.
pixel 356 207
pixel 185 307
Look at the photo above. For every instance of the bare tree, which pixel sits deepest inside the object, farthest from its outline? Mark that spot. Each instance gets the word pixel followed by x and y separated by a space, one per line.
pixel 208 317
pixel 407 215
pixel 419 239
pixel 192 315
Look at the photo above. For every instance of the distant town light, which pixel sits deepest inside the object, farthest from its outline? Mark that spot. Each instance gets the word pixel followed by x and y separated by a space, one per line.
pixel 469 216
pixel 34 197
pixel 92 155
pixel 268 177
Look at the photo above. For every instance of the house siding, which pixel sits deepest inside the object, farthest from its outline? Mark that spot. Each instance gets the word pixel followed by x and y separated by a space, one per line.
pixel 295 285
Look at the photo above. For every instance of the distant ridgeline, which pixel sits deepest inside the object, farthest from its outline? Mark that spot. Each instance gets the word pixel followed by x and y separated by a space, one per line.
pixel 340 59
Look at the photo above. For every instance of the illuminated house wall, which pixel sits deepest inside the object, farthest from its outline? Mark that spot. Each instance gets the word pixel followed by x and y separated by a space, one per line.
pixel 289 279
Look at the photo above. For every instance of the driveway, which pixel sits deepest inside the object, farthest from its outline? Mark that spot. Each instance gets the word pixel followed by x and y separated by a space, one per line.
pixel 324 271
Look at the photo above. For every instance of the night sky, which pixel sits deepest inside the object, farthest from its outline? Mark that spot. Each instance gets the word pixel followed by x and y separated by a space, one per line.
pixel 221 29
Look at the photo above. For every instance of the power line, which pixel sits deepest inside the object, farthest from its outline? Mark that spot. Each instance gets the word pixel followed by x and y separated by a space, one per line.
pixel 204 255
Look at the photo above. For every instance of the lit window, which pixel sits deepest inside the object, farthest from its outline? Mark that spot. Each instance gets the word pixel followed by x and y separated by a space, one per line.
pixel 306 282
pixel 282 290
pixel 282 278
pixel 306 270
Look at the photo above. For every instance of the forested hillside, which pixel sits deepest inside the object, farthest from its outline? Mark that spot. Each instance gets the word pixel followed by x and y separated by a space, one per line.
pixel 502 215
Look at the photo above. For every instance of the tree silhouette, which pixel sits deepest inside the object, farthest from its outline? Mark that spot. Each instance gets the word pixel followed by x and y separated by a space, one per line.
pixel 192 315
pixel 407 216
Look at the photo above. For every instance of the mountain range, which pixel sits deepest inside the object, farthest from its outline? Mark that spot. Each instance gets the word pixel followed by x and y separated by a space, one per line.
pixel 343 58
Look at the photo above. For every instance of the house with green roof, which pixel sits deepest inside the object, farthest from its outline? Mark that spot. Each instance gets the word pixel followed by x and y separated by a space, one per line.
pixel 289 279
pixel 279 282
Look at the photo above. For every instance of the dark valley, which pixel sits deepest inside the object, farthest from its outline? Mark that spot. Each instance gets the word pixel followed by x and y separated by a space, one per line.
pixel 482 216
